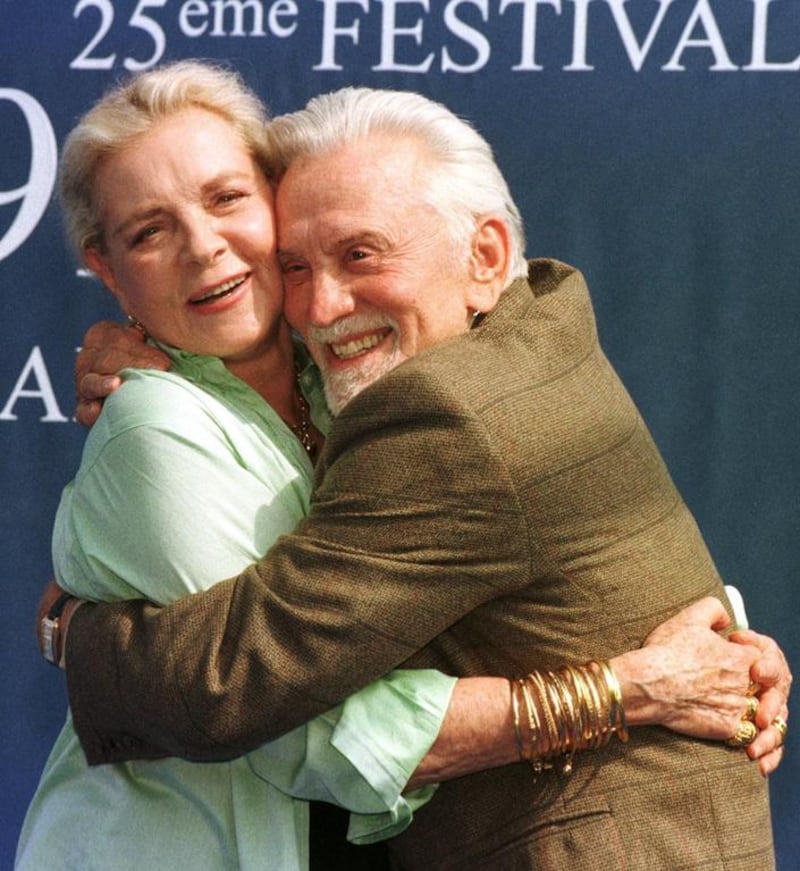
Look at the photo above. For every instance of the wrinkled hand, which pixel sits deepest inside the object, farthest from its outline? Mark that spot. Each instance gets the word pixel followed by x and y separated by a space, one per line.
pixel 690 679
pixel 695 680
pixel 771 672
pixel 109 347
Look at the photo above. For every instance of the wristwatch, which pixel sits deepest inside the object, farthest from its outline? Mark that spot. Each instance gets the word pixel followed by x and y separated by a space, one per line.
pixel 50 629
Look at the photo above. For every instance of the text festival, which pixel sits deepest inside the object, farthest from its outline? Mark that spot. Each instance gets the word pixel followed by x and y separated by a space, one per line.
pixel 407 46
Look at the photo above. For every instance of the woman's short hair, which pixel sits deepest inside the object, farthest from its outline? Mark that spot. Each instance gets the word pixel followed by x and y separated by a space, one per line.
pixel 129 111
pixel 465 181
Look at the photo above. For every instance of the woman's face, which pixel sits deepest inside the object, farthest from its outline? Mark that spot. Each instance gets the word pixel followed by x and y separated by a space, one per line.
pixel 189 237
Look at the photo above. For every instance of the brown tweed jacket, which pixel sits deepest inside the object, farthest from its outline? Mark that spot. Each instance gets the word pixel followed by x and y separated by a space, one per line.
pixel 492 505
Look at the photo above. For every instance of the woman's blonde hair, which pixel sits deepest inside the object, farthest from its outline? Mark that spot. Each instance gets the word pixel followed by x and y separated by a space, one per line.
pixel 129 111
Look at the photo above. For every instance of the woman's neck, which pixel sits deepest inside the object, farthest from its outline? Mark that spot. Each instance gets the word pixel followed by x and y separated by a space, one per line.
pixel 270 371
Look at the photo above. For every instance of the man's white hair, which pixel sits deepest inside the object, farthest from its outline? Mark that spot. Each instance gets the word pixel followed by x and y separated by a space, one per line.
pixel 465 182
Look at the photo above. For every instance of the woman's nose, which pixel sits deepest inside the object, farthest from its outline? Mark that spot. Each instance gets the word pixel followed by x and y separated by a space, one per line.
pixel 203 241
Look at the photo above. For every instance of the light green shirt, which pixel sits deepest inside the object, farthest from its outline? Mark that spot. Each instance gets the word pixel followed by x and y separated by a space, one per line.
pixel 187 477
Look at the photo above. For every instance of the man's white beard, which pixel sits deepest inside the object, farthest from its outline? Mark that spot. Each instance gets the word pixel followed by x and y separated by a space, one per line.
pixel 342 386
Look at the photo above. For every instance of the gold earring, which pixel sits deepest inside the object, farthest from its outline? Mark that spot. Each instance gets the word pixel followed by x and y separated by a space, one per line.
pixel 137 325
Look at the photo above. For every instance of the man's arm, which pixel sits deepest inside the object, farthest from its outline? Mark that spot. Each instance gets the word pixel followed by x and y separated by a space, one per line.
pixel 369 578
pixel 364 584
pixel 685 677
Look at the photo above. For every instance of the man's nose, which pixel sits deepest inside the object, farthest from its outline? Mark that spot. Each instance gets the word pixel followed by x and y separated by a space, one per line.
pixel 331 298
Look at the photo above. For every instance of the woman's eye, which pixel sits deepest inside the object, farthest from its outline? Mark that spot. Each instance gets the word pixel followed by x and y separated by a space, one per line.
pixel 228 197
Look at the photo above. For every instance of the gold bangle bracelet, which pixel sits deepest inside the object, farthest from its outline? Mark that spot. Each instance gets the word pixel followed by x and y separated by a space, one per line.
pixel 515 712
pixel 537 684
pixel 617 715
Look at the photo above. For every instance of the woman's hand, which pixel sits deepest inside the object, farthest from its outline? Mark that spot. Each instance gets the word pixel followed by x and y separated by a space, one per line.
pixel 690 679
pixel 108 348
pixel 771 673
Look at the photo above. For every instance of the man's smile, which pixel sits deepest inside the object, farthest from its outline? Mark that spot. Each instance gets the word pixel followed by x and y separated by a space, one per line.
pixel 355 347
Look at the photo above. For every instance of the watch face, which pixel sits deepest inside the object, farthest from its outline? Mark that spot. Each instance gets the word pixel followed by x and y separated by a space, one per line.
pixel 48 635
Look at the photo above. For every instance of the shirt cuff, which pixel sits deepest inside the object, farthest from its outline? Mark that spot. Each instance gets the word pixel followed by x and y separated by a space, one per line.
pixel 385 731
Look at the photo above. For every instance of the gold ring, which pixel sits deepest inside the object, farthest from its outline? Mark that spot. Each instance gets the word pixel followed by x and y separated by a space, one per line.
pixel 745 734
pixel 782 726
pixel 753 687
pixel 751 708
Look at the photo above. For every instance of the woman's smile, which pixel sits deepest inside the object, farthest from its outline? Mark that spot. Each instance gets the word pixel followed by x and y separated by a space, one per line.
pixel 224 291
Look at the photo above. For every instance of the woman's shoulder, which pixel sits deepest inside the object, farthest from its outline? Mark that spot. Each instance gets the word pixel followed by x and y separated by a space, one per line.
pixel 149 397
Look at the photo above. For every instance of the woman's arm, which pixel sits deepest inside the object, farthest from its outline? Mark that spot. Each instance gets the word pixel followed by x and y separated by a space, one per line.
pixel 686 677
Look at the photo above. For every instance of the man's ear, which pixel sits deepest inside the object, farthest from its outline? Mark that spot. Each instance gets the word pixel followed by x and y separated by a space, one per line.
pixel 489 262
pixel 95 260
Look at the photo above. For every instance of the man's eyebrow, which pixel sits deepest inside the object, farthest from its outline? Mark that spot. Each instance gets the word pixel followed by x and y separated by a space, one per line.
pixel 372 237
pixel 359 237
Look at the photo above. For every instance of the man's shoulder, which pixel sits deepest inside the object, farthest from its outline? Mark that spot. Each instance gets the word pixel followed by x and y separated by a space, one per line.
pixel 540 323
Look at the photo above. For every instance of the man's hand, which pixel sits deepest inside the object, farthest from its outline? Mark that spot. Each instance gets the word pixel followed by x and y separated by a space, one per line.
pixel 108 348
pixel 690 679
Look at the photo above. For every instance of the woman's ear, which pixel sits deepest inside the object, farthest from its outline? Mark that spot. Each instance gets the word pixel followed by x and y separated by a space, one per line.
pixel 489 262
pixel 95 260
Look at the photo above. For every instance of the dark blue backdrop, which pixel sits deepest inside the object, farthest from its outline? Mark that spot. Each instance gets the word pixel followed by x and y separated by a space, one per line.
pixel 650 142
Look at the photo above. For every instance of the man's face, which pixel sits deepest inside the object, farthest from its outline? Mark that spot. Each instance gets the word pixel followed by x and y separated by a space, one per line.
pixel 371 276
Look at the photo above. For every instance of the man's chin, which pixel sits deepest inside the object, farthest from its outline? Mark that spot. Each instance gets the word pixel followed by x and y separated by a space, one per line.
pixel 344 383
pixel 343 386
pixel 338 395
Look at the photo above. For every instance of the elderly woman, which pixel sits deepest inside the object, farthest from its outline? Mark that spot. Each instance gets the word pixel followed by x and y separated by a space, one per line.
pixel 190 474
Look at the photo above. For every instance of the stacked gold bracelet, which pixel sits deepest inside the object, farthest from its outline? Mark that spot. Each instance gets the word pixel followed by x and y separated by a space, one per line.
pixel 557 713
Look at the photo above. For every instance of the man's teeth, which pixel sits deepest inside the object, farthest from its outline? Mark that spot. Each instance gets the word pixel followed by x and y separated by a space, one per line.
pixel 221 290
pixel 356 346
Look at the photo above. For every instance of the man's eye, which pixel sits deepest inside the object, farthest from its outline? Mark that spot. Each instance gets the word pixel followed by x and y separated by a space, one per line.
pixel 144 235
pixel 294 271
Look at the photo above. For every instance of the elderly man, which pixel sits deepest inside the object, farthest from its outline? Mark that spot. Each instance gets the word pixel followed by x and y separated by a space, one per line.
pixel 493 502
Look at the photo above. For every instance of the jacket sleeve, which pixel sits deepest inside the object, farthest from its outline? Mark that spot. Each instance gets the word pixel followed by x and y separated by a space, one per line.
pixel 415 522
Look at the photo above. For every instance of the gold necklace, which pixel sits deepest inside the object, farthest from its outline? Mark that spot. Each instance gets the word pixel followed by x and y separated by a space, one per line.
pixel 303 429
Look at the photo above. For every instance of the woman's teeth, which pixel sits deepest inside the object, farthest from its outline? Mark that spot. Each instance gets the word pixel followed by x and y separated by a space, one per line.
pixel 223 289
